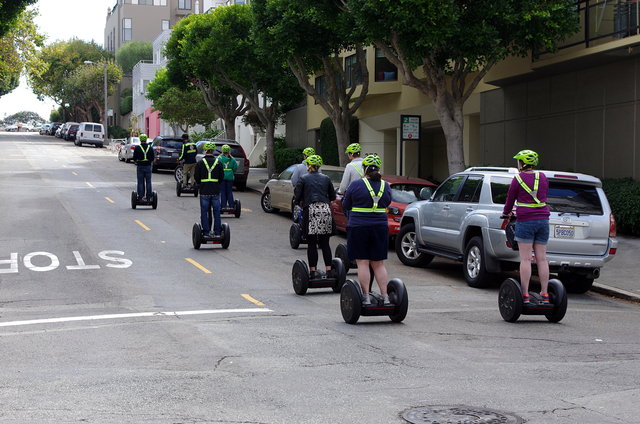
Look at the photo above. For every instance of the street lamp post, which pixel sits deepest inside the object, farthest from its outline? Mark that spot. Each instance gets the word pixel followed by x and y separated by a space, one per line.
pixel 106 112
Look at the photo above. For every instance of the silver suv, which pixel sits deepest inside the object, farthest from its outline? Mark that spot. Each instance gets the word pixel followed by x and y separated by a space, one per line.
pixel 461 221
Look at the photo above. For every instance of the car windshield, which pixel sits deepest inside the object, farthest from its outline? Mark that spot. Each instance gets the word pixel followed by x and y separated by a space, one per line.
pixel 334 175
pixel 134 140
pixel 562 197
pixel 405 193
pixel 172 144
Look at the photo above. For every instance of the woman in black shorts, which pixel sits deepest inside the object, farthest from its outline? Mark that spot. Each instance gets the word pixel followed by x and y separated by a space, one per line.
pixel 315 191
pixel 368 235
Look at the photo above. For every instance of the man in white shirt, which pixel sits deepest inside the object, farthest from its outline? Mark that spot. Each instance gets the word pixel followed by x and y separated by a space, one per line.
pixel 354 170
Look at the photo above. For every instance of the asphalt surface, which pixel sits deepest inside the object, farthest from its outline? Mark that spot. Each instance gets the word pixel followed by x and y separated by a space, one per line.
pixel 105 318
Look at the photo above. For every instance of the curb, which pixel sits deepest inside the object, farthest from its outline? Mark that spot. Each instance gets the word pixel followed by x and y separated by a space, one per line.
pixel 615 292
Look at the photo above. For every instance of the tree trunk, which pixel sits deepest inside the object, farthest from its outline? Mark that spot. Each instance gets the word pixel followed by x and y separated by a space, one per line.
pixel 230 127
pixel 342 127
pixel 271 158
pixel 452 121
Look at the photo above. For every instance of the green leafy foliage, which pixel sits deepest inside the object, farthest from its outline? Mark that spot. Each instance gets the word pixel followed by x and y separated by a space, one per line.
pixel 116 131
pixel 133 52
pixel 285 156
pixel 328 142
pixel 10 11
pixel 208 133
pixel 624 197
pixel 24 116
pixel 55 116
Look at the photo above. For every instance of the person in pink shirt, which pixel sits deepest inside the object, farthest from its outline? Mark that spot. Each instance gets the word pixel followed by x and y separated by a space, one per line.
pixel 528 191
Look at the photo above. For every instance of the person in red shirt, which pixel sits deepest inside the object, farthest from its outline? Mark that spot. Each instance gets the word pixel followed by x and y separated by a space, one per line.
pixel 528 191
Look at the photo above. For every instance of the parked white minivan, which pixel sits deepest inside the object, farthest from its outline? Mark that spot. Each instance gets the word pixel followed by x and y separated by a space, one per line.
pixel 90 133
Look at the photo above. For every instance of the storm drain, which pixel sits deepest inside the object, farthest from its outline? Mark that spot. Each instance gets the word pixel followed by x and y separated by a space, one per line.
pixel 458 414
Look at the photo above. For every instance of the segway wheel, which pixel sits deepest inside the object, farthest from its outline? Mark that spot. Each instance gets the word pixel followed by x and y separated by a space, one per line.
pixel 134 199
pixel 178 189
pixel 177 174
pixel 557 296
pixel 510 300
pixel 300 277
pixel 398 296
pixel 350 302
pixel 154 201
pixel 295 236
pixel 238 208
pixel 196 236
pixel 341 253
pixel 226 235
pixel 340 273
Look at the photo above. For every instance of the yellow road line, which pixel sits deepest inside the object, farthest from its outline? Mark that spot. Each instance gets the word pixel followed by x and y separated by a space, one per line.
pixel 89 184
pixel 137 221
pixel 197 265
pixel 109 200
pixel 252 300
pixel 246 210
pixel 74 173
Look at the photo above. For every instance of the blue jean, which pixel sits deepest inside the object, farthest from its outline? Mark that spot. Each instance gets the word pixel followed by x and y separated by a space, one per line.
pixel 226 194
pixel 535 231
pixel 144 180
pixel 207 202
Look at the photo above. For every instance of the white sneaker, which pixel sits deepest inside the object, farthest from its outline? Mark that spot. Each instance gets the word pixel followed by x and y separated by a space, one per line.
pixel 386 301
pixel 365 300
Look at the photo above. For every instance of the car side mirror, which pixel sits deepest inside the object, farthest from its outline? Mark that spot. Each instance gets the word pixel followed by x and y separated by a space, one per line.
pixel 425 193
pixel 275 176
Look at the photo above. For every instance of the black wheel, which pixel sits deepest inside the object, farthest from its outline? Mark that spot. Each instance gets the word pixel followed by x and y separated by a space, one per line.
pixel 238 209
pixel 265 202
pixel 474 265
pixel 226 235
pixel 510 300
pixel 576 283
pixel 295 236
pixel 350 302
pixel 340 273
pixel 196 236
pixel 154 201
pixel 407 247
pixel 178 173
pixel 120 157
pixel 300 277
pixel 557 296
pixel 398 296
pixel 134 199
pixel 178 188
pixel 295 211
pixel 341 253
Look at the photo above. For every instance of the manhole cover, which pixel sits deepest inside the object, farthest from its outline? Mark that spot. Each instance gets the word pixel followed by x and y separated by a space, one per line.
pixel 460 414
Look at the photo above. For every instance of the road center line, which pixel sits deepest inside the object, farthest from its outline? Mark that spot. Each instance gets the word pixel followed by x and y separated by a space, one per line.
pixel 74 173
pixel 171 314
pixel 252 300
pixel 89 184
pixel 137 221
pixel 197 265
pixel 109 200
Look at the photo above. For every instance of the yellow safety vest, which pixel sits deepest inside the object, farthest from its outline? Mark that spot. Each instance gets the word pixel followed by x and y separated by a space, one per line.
pixel 191 149
pixel 359 169
pixel 376 198
pixel 210 180
pixel 145 151
pixel 533 193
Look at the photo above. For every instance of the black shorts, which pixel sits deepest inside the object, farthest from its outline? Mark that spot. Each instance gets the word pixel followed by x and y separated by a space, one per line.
pixel 368 242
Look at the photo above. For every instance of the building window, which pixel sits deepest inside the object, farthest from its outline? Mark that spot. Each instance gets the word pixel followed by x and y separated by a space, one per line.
pixel 385 70
pixel 159 2
pixel 184 4
pixel 126 29
pixel 165 24
pixel 352 71
pixel 321 87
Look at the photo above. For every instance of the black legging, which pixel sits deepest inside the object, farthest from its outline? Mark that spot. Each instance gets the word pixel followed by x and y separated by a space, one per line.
pixel 312 250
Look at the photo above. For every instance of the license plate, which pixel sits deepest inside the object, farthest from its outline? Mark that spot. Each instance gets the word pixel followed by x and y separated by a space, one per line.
pixel 96 136
pixel 174 155
pixel 565 231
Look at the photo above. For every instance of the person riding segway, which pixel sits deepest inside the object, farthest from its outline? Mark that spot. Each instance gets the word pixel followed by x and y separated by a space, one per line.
pixel 188 159
pixel 229 165
pixel 143 156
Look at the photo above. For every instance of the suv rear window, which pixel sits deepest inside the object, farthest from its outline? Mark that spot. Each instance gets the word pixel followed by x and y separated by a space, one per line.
pixel 562 197
pixel 172 144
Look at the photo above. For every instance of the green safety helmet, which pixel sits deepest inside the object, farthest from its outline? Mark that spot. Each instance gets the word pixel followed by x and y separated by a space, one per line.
pixel 209 146
pixel 309 151
pixel 314 160
pixel 353 148
pixel 528 157
pixel 143 137
pixel 372 160
pixel 226 148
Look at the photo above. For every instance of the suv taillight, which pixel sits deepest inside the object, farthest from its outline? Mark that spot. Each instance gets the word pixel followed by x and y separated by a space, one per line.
pixel 612 226
pixel 246 165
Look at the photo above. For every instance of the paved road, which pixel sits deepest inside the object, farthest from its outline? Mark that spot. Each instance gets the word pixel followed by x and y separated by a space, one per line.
pixel 104 320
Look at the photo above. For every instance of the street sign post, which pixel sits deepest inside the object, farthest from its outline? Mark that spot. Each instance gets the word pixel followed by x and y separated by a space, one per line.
pixel 409 131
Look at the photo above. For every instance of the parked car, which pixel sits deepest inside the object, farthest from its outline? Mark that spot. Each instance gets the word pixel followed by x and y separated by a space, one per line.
pixel 278 192
pixel 53 128
pixel 65 128
pixel 404 190
pixel 167 151
pixel 237 152
pixel 461 221
pixel 89 133
pixel 11 128
pixel 58 132
pixel 44 128
pixel 125 154
pixel 70 134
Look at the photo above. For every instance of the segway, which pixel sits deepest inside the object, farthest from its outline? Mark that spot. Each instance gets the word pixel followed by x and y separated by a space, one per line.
pixel 186 189
pixel 352 308
pixel 341 252
pixel 144 202
pixel 302 280
pixel 198 238
pixel 511 305
pixel 296 235
pixel 236 210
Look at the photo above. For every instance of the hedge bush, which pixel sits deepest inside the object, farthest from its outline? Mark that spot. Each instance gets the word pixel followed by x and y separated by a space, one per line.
pixel 329 142
pixel 117 132
pixel 624 197
pixel 285 156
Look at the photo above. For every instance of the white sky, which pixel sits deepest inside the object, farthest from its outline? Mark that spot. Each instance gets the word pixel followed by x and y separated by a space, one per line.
pixel 59 20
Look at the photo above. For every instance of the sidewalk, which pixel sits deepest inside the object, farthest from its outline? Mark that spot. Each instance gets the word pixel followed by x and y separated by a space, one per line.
pixel 620 277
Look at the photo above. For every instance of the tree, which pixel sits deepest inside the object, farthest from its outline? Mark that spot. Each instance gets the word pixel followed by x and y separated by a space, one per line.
pixel 24 116
pixel 55 116
pixel 84 88
pixel 133 52
pixel 312 35
pixel 182 107
pixel 218 97
pixel 10 11
pixel 454 43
